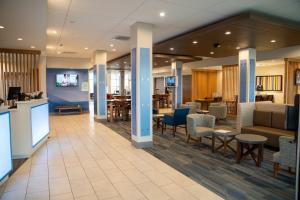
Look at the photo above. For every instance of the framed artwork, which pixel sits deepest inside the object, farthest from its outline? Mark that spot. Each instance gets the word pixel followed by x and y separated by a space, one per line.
pixel 269 83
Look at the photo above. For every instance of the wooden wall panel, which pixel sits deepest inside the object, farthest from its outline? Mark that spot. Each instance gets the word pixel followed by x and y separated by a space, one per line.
pixel 187 88
pixel 204 84
pixel 19 68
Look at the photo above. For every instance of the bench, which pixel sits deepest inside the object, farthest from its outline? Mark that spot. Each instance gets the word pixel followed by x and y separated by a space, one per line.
pixel 68 108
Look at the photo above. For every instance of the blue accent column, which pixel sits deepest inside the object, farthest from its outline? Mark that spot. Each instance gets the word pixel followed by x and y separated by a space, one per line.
pixel 99 70
pixel 247 64
pixel 179 83
pixel 141 85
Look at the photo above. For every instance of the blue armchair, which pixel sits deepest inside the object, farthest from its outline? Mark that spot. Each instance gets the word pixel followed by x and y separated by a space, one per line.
pixel 178 118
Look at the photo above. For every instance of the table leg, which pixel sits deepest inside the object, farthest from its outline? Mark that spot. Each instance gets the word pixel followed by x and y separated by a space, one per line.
pixel 238 152
pixel 225 145
pixel 213 143
pixel 260 155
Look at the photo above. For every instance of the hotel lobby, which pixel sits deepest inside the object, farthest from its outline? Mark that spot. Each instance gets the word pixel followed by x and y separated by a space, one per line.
pixel 149 99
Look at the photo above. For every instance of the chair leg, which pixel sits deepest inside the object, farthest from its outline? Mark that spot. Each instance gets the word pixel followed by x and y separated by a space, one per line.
pixel 174 130
pixel 188 138
pixel 290 170
pixel 185 129
pixel 162 128
pixel 276 169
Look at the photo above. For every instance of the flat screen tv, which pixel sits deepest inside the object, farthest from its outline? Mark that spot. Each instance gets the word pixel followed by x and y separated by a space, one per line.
pixel 66 80
pixel 171 81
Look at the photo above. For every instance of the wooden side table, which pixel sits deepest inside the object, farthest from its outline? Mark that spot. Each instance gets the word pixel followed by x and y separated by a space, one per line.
pixel 250 142
pixel 225 137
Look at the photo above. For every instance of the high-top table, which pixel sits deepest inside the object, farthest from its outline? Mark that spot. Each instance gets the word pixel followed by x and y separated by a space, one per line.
pixel 250 142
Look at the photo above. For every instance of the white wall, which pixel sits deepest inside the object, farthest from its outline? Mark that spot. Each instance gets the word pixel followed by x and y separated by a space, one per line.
pixel 272 70
pixel 60 62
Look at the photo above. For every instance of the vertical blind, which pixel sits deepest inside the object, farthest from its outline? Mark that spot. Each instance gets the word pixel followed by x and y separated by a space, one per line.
pixel 19 68
pixel 230 81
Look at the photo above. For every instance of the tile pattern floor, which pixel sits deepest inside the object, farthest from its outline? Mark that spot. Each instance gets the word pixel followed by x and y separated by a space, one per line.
pixel 214 171
pixel 84 160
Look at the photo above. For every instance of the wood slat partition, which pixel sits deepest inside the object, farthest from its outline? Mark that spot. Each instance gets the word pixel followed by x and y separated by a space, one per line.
pixel 19 68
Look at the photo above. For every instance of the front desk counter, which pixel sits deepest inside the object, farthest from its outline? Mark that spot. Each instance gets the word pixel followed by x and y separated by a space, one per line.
pixel 29 127
pixel 5 145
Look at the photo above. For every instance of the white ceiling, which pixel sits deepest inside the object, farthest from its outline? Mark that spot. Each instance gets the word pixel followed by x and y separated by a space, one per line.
pixel 93 23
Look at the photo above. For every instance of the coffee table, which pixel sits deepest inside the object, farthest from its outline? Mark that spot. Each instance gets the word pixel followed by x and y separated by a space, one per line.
pixel 250 142
pixel 225 137
pixel 202 111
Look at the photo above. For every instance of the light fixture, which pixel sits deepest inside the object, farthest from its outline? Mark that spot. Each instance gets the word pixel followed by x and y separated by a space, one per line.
pixel 86 48
pixel 54 32
pixel 20 39
pixel 195 42
pixel 237 48
pixel 166 61
pixel 32 47
pixel 2 27
pixel 58 52
pixel 273 41
pixel 111 45
pixel 162 14
pixel 125 62
pixel 227 33
pixel 172 49
pixel 114 49
pixel 212 52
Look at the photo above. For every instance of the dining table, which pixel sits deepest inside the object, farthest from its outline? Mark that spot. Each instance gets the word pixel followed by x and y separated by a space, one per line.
pixel 117 107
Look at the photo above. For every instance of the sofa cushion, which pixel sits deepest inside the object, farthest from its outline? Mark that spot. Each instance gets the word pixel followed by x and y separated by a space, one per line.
pixel 272 134
pixel 278 120
pixel 262 118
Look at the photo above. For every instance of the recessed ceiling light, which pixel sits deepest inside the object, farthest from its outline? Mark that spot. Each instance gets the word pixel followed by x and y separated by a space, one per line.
pixel 273 41
pixel 237 48
pixel 20 39
pixel 114 49
pixel 227 33
pixel 172 49
pixel 162 14
pixel 32 47
pixel 195 42
pixel 2 27
pixel 86 48
pixel 166 61
pixel 111 45
pixel 54 32
pixel 212 52
pixel 125 62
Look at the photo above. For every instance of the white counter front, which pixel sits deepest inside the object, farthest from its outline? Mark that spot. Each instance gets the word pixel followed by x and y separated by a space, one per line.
pixel 5 145
pixel 30 127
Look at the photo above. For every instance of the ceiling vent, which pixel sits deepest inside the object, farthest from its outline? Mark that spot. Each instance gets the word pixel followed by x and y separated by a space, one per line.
pixel 121 37
pixel 69 52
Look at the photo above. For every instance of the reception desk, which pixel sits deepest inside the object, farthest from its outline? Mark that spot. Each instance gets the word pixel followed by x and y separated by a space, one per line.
pixel 29 127
pixel 5 145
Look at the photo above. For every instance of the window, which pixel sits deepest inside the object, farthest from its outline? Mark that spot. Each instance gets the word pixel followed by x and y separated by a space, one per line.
pixel 127 84
pixel 115 82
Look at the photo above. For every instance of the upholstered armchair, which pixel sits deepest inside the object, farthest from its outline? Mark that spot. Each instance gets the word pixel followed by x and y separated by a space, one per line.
pixel 286 157
pixel 218 110
pixel 200 125
pixel 178 118
pixel 194 106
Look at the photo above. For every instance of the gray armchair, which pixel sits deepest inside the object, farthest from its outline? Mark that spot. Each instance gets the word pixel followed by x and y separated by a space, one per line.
pixel 200 125
pixel 218 110
pixel 286 156
pixel 194 106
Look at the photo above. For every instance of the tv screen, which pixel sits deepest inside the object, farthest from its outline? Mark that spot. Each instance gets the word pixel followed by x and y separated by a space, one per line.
pixel 170 81
pixel 297 77
pixel 66 80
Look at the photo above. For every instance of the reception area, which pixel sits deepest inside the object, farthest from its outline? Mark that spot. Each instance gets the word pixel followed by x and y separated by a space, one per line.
pixel 149 99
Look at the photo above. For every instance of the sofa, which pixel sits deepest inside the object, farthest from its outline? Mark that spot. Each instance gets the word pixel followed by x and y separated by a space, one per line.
pixel 266 119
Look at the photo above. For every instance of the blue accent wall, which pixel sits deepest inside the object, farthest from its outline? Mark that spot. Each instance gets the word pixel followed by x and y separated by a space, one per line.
pixel 179 86
pixel 102 90
pixel 133 92
pixel 252 81
pixel 145 87
pixel 243 81
pixel 67 95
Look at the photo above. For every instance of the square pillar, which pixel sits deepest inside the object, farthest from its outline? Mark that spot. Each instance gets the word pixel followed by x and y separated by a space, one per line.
pixel 141 85
pixel 247 64
pixel 99 69
pixel 177 91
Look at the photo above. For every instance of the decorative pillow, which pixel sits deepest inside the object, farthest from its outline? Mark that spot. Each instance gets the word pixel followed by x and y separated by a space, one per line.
pixel 262 118
pixel 279 120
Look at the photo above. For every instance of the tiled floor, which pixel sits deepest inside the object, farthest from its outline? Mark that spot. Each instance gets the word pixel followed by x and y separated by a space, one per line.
pixel 85 160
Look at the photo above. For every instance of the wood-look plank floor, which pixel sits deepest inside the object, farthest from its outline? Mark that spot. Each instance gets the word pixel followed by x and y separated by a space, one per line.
pixel 218 173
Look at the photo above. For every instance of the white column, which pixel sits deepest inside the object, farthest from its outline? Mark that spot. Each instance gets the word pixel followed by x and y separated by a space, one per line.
pixel 177 92
pixel 99 68
pixel 247 64
pixel 141 85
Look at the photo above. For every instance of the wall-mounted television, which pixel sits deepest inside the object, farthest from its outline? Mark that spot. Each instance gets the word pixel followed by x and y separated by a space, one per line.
pixel 171 81
pixel 66 80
